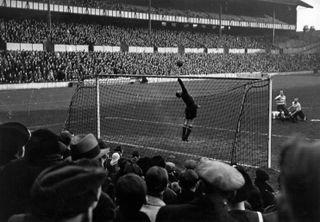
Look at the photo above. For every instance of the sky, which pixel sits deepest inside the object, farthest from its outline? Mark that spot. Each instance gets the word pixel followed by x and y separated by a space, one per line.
pixel 310 17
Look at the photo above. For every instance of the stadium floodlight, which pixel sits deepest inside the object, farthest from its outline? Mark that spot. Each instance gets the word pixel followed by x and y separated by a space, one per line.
pixel 233 122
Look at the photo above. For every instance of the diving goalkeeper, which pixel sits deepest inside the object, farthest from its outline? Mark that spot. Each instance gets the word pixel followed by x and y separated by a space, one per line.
pixel 190 111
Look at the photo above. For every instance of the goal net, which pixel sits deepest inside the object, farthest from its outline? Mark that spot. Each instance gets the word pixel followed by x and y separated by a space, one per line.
pixel 232 123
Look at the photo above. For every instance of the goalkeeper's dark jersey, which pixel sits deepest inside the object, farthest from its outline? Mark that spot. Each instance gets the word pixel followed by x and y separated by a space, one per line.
pixel 187 99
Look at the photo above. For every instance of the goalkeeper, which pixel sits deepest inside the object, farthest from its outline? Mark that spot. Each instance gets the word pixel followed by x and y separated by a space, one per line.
pixel 190 111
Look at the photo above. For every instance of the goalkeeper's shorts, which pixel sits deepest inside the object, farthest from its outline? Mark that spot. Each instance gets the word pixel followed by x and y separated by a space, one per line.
pixel 191 112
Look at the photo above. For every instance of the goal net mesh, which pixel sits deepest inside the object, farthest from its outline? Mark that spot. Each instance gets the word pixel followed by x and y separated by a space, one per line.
pixel 231 124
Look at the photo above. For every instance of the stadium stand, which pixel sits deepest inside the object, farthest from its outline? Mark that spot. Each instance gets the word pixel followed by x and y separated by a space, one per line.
pixel 36 31
pixel 18 67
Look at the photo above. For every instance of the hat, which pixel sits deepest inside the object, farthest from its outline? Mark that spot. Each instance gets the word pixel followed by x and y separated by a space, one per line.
pixel 114 159
pixel 220 175
pixel 43 144
pixel 13 136
pixel 86 146
pixel 66 190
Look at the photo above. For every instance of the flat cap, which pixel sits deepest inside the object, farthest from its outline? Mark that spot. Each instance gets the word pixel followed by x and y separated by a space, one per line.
pixel 220 175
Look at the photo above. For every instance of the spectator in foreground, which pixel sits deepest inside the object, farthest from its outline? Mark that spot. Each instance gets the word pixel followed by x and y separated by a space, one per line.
pixel 169 196
pixel 264 187
pixel 188 183
pixel 130 195
pixel 42 151
pixel 157 181
pixel 66 192
pixel 13 138
pixel 87 146
pixel 300 181
pixel 218 181
pixel 238 202
pixel 65 138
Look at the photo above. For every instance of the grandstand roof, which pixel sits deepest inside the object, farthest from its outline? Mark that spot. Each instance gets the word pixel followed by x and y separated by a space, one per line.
pixel 289 2
pixel 183 2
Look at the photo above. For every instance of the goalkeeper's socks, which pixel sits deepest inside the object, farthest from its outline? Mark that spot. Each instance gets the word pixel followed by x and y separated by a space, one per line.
pixel 184 129
pixel 186 136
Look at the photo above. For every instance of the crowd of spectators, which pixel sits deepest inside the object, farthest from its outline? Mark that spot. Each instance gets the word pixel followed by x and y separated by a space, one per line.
pixel 37 31
pixel 65 177
pixel 20 67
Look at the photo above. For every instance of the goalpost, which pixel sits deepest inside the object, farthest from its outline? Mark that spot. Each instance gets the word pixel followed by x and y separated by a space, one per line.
pixel 233 122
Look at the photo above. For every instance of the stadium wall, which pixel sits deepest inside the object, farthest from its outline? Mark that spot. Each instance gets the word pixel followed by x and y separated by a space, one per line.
pixel 42 85
pixel 132 49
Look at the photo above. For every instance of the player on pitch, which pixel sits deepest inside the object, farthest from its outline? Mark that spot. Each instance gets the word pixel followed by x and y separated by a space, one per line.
pixel 281 105
pixel 296 110
pixel 190 111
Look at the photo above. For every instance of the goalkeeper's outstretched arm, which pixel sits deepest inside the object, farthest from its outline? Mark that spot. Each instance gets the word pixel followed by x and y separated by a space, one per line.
pixel 184 90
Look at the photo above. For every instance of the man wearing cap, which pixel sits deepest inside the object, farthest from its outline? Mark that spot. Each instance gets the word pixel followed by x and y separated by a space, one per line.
pixel 217 181
pixel 13 138
pixel 87 147
pixel 68 191
pixel 16 178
